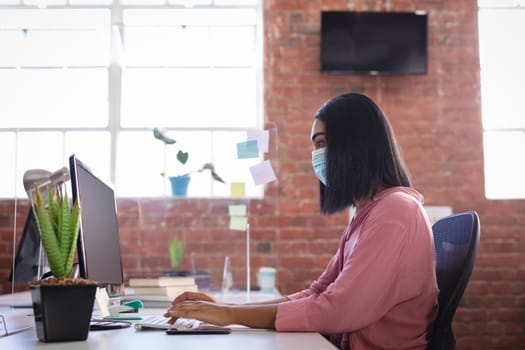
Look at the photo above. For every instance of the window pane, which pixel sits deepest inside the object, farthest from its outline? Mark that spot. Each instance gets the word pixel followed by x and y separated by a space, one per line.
pixel 189 2
pixel 233 46
pixel 504 165
pixel 189 69
pixel 173 46
pixel 139 165
pixel 189 98
pixel 11 47
pixel 78 97
pixel 502 54
pixel 141 162
pixel 142 148
pixel 90 2
pixel 55 37
pixel 235 2
pixel 39 150
pixel 189 17
pixel 142 2
pixel 91 147
pixel 44 2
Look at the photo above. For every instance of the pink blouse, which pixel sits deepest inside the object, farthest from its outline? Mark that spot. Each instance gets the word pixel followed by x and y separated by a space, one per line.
pixel 379 291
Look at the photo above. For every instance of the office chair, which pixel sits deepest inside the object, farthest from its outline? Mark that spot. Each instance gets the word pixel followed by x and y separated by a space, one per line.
pixel 456 239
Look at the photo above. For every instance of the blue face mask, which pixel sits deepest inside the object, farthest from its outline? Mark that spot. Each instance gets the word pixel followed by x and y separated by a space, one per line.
pixel 319 164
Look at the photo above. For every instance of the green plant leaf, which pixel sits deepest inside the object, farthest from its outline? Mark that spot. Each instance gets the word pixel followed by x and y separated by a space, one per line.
pixel 176 251
pixel 160 136
pixel 62 224
pixel 73 236
pixel 53 210
pixel 182 157
pixel 47 231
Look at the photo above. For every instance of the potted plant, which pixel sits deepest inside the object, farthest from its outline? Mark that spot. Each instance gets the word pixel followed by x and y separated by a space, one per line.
pixel 62 305
pixel 180 182
pixel 176 253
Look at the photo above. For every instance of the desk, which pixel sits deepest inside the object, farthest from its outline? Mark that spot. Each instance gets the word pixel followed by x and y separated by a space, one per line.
pixel 129 339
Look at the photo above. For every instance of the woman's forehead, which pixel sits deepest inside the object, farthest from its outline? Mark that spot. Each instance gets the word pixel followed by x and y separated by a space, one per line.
pixel 317 128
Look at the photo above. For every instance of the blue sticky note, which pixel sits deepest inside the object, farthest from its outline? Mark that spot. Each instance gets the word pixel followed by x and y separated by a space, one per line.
pixel 247 149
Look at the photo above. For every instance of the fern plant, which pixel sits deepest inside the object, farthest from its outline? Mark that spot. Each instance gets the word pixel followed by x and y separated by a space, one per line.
pixel 58 225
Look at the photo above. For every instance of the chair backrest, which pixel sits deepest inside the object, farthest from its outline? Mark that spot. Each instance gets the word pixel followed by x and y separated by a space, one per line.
pixel 456 240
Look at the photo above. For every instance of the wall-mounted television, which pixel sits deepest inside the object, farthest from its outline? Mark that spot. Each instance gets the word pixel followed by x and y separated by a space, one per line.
pixel 374 42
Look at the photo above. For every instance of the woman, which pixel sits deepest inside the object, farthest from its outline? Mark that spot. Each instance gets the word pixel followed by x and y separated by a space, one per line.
pixel 379 291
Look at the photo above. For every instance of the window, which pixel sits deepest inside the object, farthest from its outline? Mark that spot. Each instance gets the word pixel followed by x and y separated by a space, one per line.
pixel 502 53
pixel 93 78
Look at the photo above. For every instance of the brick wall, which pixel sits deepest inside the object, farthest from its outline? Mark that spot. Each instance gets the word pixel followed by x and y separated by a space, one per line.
pixel 437 119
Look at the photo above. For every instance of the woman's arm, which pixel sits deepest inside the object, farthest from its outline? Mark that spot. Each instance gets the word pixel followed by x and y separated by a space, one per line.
pixel 254 316
pixel 267 302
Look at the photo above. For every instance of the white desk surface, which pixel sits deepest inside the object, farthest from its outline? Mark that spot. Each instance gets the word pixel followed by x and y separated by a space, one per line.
pixel 130 339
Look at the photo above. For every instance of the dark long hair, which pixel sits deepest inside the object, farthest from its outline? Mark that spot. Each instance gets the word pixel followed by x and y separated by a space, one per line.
pixel 361 152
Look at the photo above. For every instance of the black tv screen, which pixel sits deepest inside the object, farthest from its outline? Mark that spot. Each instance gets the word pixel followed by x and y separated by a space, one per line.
pixel 374 42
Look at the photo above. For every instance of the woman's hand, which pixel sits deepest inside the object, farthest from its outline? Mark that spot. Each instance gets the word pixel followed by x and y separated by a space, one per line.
pixel 210 312
pixel 204 308
pixel 192 296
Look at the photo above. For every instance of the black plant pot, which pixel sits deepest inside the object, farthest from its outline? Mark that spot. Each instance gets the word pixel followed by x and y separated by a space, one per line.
pixel 63 312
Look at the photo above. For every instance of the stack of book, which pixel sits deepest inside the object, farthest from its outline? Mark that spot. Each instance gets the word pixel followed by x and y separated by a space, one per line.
pixel 163 286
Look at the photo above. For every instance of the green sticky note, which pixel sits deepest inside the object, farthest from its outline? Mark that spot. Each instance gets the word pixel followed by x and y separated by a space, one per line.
pixel 237 210
pixel 238 223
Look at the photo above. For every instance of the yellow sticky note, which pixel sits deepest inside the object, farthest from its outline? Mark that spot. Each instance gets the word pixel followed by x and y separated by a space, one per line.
pixel 237 210
pixel 238 189
pixel 238 223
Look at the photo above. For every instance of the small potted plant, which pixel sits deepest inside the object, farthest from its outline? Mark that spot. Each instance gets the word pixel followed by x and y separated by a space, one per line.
pixel 179 183
pixel 62 305
pixel 176 253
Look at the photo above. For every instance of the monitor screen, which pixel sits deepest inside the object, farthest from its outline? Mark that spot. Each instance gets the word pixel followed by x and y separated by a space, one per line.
pixel 27 256
pixel 99 244
pixel 374 42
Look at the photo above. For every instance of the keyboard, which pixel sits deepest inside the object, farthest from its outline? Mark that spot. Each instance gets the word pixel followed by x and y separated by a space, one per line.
pixel 161 322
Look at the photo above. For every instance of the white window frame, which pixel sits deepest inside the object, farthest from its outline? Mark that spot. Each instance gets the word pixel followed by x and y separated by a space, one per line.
pixel 504 165
pixel 114 127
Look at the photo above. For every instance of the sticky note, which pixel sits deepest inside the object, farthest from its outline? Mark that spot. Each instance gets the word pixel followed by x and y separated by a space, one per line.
pixel 237 210
pixel 238 223
pixel 247 149
pixel 261 136
pixel 262 173
pixel 238 189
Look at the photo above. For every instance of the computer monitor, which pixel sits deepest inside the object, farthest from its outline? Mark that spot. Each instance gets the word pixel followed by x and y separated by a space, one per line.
pixel 98 243
pixel 28 253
